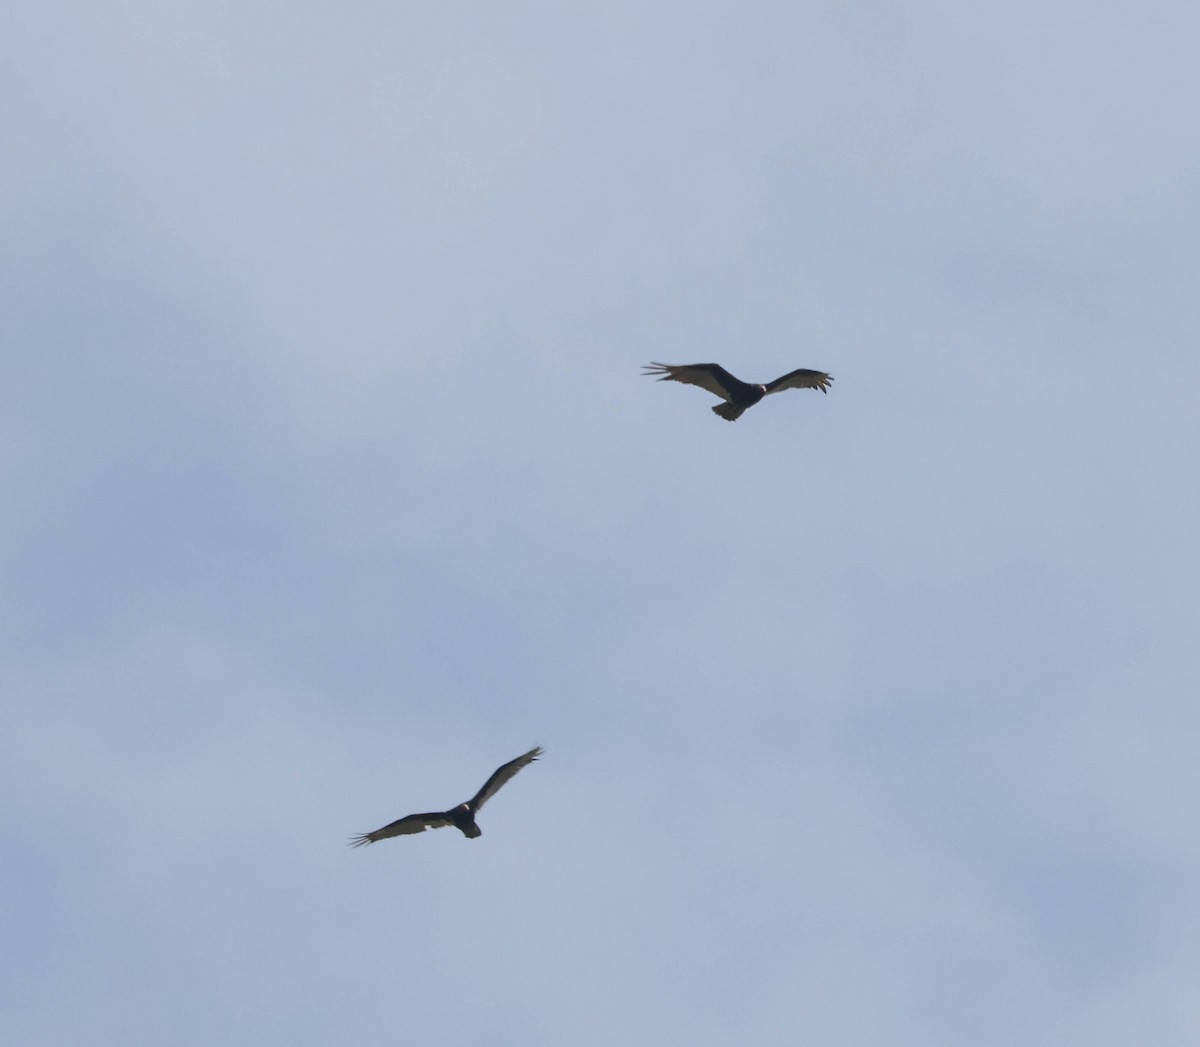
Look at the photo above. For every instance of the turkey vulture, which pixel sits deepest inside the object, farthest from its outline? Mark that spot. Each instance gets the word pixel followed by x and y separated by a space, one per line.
pixel 462 816
pixel 738 395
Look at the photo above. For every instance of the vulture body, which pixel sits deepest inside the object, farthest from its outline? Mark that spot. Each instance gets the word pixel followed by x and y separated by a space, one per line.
pixel 461 817
pixel 738 395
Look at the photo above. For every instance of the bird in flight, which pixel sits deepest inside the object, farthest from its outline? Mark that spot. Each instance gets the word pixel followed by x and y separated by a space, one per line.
pixel 462 816
pixel 738 395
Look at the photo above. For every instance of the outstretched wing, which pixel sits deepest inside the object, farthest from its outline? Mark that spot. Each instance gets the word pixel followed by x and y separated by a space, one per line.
pixel 801 379
pixel 413 823
pixel 712 377
pixel 502 775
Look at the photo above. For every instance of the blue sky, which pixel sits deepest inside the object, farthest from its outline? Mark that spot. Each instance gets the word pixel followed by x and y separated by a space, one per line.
pixel 331 484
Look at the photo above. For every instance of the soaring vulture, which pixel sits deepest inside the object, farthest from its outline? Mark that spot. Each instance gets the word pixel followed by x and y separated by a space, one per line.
pixel 738 395
pixel 462 816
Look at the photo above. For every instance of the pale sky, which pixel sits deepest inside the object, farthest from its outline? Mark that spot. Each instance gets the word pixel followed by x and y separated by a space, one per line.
pixel 331 483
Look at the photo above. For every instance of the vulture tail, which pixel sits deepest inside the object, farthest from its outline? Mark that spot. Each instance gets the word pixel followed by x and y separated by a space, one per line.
pixel 730 412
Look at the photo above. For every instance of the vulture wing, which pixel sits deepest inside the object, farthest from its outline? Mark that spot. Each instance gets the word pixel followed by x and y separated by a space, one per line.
pixel 502 775
pixel 801 379
pixel 413 823
pixel 712 377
